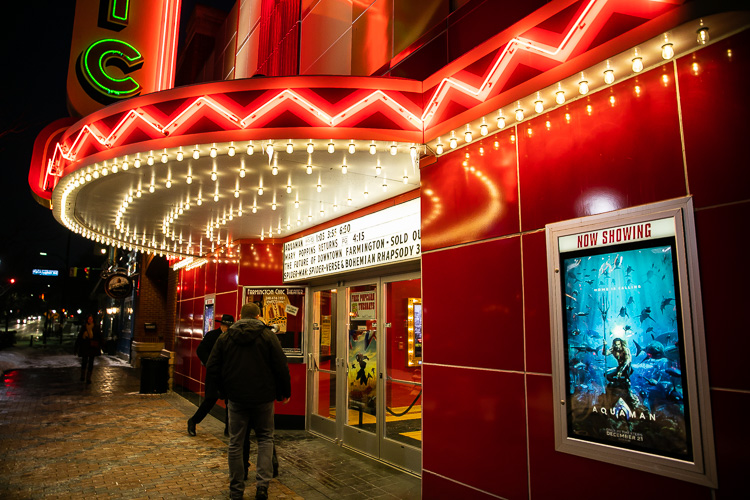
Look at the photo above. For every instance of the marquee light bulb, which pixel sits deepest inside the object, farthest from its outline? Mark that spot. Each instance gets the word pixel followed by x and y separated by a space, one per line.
pixel 385 187
pixel 164 157
pixel 439 149
pixel 150 160
pixel 255 209
pixel 519 115
pixel 125 164
pixel 394 149
pixel 275 170
pixel 373 148
pixel 151 188
pixel 273 206
pixel 236 193
pixel 319 188
pixel 289 188
pixel 637 64
pixel 196 153
pixel 189 179
pixel 310 147
pixel 296 203
pixel 484 129
pixel 667 51
pixel 609 76
pixel 169 183
pixel 180 155
pixel 289 148
pixel 560 97
pixel 703 36
pixel 213 175
pixel 199 202
pixel 453 143
pixel 114 168
pixel 137 163
pixel 501 122
pixel 406 179
pixel 269 149
pixel 214 152
pixel 352 148
pixel 467 136
pixel 250 149
pixel 331 147
pixel 583 87
pixel 216 197
pixel 377 170
pixel 260 191
pixel 309 169
pixel 343 169
pixel 242 172
pixel 231 151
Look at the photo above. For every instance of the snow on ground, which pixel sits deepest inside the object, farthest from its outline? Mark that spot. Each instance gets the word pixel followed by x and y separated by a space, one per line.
pixel 53 355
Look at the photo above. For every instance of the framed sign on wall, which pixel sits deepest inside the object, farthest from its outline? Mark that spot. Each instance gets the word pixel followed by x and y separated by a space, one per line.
pixel 629 370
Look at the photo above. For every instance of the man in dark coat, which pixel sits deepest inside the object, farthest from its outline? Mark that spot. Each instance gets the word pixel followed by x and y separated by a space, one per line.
pixel 204 351
pixel 249 367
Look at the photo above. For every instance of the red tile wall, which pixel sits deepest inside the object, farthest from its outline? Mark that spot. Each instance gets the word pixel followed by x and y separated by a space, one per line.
pixel 488 409
pixel 260 264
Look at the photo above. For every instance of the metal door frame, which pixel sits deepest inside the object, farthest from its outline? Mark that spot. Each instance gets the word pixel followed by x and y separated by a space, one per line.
pixel 375 445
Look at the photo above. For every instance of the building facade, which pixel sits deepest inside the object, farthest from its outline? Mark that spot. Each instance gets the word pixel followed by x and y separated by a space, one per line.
pixel 383 175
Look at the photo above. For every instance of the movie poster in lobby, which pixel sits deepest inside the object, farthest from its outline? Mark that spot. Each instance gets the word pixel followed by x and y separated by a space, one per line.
pixel 362 373
pixel 363 348
pixel 623 339
pixel 281 308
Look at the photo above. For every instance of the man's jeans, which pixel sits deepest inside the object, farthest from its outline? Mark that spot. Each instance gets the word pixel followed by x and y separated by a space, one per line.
pixel 258 417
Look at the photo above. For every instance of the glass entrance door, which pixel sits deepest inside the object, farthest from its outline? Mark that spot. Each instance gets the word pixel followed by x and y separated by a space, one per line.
pixel 323 364
pixel 361 427
pixel 364 367
pixel 401 440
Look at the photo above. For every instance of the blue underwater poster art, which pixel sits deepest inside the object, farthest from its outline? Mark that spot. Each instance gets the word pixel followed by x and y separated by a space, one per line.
pixel 624 346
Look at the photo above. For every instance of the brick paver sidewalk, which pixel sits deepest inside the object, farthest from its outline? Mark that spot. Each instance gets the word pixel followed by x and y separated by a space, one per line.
pixel 62 438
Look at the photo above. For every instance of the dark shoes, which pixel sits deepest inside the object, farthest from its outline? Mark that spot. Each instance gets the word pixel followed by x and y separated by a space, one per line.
pixel 261 493
pixel 191 427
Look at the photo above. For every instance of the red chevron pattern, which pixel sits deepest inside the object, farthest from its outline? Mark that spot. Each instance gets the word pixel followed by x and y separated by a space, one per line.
pixel 539 47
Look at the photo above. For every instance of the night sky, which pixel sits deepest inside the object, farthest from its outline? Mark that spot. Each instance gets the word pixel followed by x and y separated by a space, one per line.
pixel 36 47
pixel 35 40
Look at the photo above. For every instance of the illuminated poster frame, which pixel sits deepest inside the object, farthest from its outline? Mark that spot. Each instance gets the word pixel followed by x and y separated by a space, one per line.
pixel 630 381
pixel 282 307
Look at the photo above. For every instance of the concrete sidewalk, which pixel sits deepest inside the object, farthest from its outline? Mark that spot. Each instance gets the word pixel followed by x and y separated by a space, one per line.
pixel 61 438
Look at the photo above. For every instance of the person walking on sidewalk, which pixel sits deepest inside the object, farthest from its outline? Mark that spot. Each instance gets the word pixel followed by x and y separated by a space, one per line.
pixel 249 367
pixel 88 345
pixel 212 394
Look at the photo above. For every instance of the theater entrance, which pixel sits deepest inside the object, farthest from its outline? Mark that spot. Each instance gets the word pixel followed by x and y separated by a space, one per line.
pixel 364 367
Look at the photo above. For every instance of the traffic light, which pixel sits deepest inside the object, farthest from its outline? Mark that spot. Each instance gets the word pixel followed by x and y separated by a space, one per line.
pixel 86 270
pixel 12 281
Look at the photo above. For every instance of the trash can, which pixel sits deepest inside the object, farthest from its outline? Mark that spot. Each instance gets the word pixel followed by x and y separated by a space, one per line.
pixel 154 375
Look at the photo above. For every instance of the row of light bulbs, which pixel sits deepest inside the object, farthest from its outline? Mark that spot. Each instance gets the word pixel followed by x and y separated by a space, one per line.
pixel 269 148
pixel 637 65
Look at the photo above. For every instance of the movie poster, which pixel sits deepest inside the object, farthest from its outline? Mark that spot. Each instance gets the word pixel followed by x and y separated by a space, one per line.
pixel 624 348
pixel 363 357
pixel 282 308
pixel 363 350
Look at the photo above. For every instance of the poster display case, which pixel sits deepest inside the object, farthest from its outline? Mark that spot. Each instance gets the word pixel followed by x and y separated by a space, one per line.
pixel 283 308
pixel 630 383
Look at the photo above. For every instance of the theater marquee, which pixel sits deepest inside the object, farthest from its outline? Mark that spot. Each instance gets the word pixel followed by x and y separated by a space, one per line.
pixel 385 237
pixel 629 363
